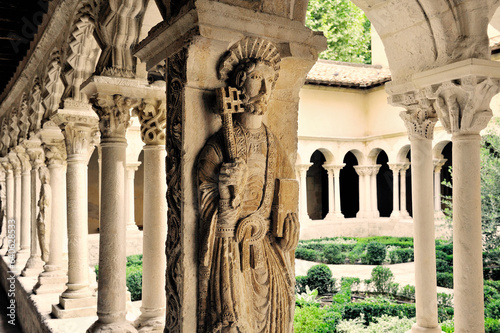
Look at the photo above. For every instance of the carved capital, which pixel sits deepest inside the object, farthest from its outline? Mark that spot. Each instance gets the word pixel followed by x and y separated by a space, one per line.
pixel 35 153
pixel 404 166
pixel 114 114
pixel 419 117
pixel 463 105
pixel 333 168
pixel 367 170
pixel 14 161
pixel 153 117
pixel 438 164
pixel 55 152
pixel 302 167
pixel 396 167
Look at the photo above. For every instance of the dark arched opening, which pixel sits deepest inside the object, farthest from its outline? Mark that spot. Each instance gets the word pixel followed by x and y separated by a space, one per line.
pixel 317 187
pixel 384 186
pixel 349 187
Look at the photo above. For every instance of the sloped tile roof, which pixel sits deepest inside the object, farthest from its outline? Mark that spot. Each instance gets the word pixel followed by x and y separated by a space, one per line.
pixel 343 74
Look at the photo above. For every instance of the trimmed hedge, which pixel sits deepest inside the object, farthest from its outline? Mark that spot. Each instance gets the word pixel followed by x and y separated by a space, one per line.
pixel 375 253
pixel 307 254
pixel 445 280
pixel 333 254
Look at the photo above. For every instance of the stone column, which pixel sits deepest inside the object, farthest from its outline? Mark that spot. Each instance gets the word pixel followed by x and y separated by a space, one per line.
pixel 364 191
pixel 395 189
pixel 331 198
pixel 24 250
pixel 16 165
pixel 114 117
pixel 152 115
pixel 9 182
pixel 420 119
pixel 462 93
pixel 130 170
pixel 438 164
pixel 336 172
pixel 373 190
pixel 404 212
pixel 79 128
pixel 34 265
pixel 302 171
pixel 201 34
pixel 53 278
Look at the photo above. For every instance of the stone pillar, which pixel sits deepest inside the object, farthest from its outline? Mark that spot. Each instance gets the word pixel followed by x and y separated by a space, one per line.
pixel 34 265
pixel 53 278
pixel 9 182
pixel 462 93
pixel 373 190
pixel 404 212
pixel 130 170
pixel 420 119
pixel 79 129
pixel 152 115
pixel 438 164
pixel 24 250
pixel 395 189
pixel 302 171
pixel 16 165
pixel 364 191
pixel 198 34
pixel 334 191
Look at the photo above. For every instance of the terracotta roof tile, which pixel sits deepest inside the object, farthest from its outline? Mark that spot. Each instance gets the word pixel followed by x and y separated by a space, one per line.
pixel 343 74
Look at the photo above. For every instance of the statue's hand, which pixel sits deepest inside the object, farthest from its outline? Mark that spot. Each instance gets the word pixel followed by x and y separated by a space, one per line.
pixel 232 180
pixel 291 229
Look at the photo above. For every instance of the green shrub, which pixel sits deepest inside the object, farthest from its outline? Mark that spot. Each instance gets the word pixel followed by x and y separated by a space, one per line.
pixel 356 253
pixel 372 310
pixel 320 277
pixel 307 298
pixel 300 284
pixel 445 299
pixel 394 257
pixel 448 326
pixel 442 266
pixel 393 288
pixel 441 255
pixel 134 260
pixel 382 324
pixel 307 254
pixel 408 291
pixel 446 248
pixel 401 255
pixel 490 293
pixel 382 278
pixel 491 325
pixel 134 284
pixel 313 319
pixel 96 269
pixel 375 253
pixel 332 254
pixel 492 309
pixel 445 280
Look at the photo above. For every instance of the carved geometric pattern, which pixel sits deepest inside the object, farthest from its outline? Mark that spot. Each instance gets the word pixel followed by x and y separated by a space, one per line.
pixel 5 135
pixel 114 114
pixel 24 122
pixel 153 117
pixel 14 128
pixel 176 79
pixel 463 105
pixel 36 107
pixel 53 86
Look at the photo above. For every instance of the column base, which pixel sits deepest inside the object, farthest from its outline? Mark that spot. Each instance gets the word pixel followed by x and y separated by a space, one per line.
pixel 405 215
pixel 51 283
pixel 334 216
pixel 22 255
pixel 33 267
pixel 156 324
pixel 362 214
pixel 395 215
pixel 418 329
pixel 73 308
pixel 120 327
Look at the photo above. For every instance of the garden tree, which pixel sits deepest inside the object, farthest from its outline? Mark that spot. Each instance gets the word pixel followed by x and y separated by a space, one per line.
pixel 345 27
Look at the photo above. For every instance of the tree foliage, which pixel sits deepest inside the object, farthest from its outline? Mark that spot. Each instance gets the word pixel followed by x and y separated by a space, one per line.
pixel 345 27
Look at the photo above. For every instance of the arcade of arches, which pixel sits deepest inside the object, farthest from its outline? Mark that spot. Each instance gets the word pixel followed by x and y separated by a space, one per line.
pixel 115 100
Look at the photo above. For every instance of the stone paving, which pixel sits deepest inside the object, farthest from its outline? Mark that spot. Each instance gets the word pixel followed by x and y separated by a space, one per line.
pixel 403 273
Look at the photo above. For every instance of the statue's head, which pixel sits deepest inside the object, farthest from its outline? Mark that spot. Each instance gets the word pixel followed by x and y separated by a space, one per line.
pixel 252 66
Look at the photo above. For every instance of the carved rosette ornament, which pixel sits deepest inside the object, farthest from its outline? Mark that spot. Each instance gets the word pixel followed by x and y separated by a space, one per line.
pixel 114 114
pixel 153 118
pixel 463 105
pixel 419 117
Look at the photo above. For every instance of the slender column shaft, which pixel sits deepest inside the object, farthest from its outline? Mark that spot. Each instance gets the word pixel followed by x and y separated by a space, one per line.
pixel 26 212
pixel 111 301
pixel 17 206
pixel 424 236
pixel 373 188
pixel 362 206
pixel 368 194
pixel 77 213
pixel 338 212
pixel 395 192
pixel 129 195
pixel 404 211
pixel 467 240
pixel 437 190
pixel 59 215
pixel 303 190
pixel 155 235
pixel 331 197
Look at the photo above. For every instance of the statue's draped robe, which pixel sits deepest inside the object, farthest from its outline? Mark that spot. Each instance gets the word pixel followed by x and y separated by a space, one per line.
pixel 256 294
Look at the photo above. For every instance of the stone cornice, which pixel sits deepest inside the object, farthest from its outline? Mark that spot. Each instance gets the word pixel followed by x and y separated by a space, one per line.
pixel 216 20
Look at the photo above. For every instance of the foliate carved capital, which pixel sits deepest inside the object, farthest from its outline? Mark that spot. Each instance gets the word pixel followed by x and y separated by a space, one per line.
pixel 395 167
pixel 14 161
pixel 114 114
pixel 37 157
pixel 463 105
pixel 367 170
pixel 80 140
pixel 55 152
pixel 303 167
pixel 152 115
pixel 25 161
pixel 438 164
pixel 404 166
pixel 419 117
pixel 333 168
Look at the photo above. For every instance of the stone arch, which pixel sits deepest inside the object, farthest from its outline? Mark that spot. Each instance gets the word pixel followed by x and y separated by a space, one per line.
pixel 349 184
pixel 317 186
pixel 403 154
pixel 437 150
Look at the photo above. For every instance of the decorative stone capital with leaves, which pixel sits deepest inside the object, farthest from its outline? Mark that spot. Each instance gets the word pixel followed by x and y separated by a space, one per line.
pixel 114 114
pixel 463 105
pixel 36 154
pixel 7 167
pixel 367 170
pixel 23 158
pixel 14 161
pixel 55 153
pixel 153 117
pixel 419 117
pixel 395 167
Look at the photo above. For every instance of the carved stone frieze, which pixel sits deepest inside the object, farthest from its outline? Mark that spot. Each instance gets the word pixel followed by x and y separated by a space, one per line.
pixel 53 87
pixel 14 127
pixel 396 167
pixel 114 114
pixel 176 79
pixel 5 139
pixel 24 122
pixel 37 110
pixel 152 115
pixel 463 105
pixel 419 117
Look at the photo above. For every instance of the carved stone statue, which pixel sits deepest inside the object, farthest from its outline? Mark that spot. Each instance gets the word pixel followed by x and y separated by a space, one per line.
pixel 249 229
pixel 43 218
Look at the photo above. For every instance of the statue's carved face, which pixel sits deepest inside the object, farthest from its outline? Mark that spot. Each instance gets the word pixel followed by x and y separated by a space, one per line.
pixel 258 88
